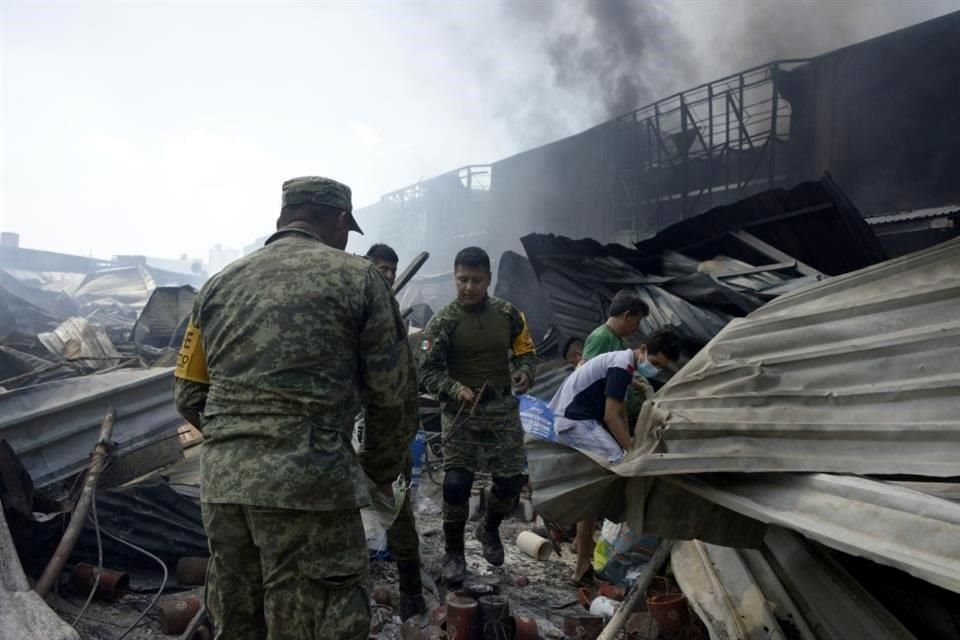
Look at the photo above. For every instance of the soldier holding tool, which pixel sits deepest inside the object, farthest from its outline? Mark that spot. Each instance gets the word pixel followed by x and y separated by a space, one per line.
pixel 473 351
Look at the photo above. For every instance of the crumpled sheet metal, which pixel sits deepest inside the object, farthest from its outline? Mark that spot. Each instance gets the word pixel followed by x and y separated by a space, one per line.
pixel 126 285
pixel 790 589
pixel 151 514
pixel 890 524
pixel 164 313
pixel 23 614
pixel 910 530
pixel 858 374
pixel 76 338
pixel 569 486
pixel 578 303
pixel 53 426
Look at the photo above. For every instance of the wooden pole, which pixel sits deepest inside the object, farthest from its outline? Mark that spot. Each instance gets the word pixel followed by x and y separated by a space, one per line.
pixel 98 460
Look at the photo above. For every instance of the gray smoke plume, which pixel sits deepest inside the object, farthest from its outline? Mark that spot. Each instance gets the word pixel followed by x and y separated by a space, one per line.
pixel 600 59
pixel 605 59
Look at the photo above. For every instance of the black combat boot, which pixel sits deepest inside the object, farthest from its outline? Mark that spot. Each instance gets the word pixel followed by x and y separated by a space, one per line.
pixel 454 564
pixel 488 533
pixel 411 589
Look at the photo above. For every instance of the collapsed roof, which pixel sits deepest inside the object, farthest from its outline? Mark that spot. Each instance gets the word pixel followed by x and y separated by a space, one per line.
pixel 854 375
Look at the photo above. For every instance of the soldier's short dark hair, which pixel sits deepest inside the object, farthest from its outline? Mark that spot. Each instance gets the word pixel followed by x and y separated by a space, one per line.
pixel 664 342
pixel 383 252
pixel 628 301
pixel 473 258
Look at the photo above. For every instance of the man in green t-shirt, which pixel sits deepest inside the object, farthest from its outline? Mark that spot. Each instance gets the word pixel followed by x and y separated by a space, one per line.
pixel 623 320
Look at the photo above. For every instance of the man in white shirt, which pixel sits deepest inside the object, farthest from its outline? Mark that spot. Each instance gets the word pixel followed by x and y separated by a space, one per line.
pixel 590 415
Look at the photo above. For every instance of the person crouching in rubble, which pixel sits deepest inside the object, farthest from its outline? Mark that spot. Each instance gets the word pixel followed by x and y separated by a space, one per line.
pixel 279 346
pixel 466 362
pixel 403 543
pixel 591 416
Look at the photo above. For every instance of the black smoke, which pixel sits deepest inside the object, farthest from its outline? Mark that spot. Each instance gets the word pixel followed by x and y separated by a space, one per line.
pixel 611 53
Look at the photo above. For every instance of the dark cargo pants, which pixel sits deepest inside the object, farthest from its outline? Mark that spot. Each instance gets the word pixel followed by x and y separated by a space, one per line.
pixel 490 439
pixel 402 539
pixel 282 574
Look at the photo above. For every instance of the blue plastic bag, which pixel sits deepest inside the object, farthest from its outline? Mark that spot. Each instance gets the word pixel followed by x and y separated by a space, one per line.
pixel 537 418
pixel 418 450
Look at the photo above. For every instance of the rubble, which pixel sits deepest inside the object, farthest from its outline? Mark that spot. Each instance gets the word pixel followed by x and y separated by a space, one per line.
pixel 79 341
pixel 816 392
pixel 852 375
pixel 23 613
pixel 51 426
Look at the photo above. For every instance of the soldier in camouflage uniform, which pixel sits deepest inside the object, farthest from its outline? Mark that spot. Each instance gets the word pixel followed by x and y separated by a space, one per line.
pixel 280 347
pixel 471 352
pixel 402 539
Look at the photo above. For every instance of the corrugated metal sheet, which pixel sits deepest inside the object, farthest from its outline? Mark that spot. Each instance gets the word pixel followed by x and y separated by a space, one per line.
pixel 814 222
pixel 16 314
pixel 912 531
pixel 790 589
pixel 52 427
pixel 151 515
pixel 56 303
pixel 517 283
pixel 163 314
pixel 76 338
pixel 858 374
pixel 580 279
pixel 855 375
pixel 126 285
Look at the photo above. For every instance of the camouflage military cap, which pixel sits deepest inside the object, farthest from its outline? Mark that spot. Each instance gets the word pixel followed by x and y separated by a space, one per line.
pixel 322 191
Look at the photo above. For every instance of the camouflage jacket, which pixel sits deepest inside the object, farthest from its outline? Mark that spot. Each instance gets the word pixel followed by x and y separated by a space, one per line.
pixel 465 346
pixel 281 346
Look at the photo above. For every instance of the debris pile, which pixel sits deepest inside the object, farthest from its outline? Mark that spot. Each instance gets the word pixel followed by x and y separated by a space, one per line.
pixel 792 476
pixel 787 439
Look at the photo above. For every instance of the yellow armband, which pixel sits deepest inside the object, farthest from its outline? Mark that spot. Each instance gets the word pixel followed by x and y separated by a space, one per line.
pixel 192 361
pixel 523 344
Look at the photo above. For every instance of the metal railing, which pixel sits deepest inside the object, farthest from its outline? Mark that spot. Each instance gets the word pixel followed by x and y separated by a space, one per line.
pixel 704 146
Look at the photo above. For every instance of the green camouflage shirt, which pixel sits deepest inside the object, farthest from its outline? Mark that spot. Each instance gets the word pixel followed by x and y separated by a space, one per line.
pixel 465 346
pixel 282 345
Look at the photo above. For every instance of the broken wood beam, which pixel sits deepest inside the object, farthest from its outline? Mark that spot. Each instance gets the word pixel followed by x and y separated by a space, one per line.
pixel 637 591
pixel 772 252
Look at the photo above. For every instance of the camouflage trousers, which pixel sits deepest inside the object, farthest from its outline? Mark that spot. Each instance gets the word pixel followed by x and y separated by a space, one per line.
pixel 491 439
pixel 282 574
pixel 402 539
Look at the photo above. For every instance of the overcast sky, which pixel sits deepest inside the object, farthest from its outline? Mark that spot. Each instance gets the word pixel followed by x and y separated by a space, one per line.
pixel 166 127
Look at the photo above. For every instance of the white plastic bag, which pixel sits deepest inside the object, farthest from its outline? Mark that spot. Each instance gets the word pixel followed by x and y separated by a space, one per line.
pixel 382 512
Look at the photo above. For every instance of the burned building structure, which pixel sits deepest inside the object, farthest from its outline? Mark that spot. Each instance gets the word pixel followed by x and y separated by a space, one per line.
pixel 878 116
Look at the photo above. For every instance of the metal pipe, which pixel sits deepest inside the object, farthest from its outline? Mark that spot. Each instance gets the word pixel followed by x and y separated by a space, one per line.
pixel 98 460
pixel 410 271
pixel 636 592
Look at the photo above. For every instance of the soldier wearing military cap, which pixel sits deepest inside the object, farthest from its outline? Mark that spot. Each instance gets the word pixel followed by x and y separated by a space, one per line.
pixel 282 347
